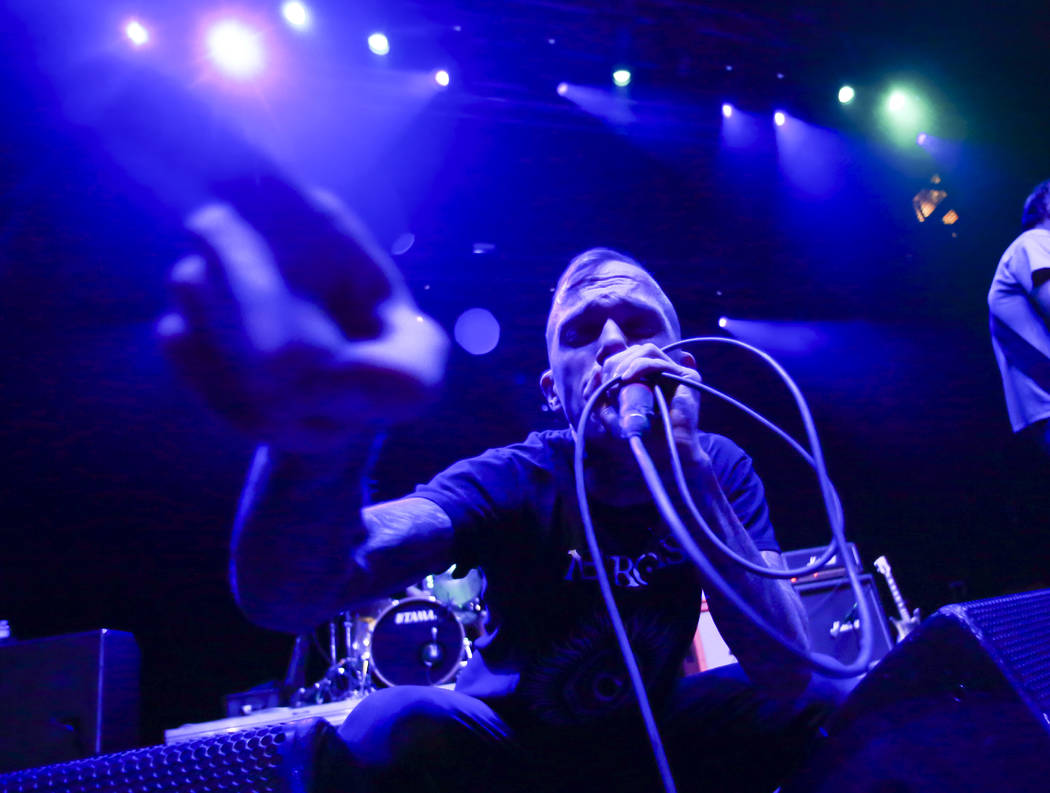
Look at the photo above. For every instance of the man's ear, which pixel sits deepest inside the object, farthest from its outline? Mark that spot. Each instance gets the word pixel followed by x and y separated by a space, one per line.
pixel 550 393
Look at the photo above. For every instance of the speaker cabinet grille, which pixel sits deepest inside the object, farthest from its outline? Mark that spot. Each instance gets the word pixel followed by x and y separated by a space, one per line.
pixel 1016 628
pixel 959 706
pixel 281 758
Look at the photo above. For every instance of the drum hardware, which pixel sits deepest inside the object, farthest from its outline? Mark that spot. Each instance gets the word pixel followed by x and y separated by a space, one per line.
pixel 424 638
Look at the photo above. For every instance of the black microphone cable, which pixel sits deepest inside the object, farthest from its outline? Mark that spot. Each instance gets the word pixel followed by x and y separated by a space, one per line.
pixel 833 508
pixel 629 660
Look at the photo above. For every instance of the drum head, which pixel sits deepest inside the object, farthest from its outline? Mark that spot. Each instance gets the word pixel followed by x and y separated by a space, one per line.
pixel 416 641
pixel 458 593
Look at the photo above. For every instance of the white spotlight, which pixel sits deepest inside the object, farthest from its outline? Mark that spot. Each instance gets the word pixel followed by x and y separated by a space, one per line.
pixel 441 77
pixel 379 44
pixel 897 102
pixel 563 89
pixel 727 110
pixel 236 49
pixel 296 14
pixel 722 322
pixel 136 32
pixel 622 78
pixel 779 118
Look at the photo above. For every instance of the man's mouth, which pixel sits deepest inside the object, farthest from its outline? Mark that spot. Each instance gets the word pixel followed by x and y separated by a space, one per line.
pixel 605 410
pixel 592 385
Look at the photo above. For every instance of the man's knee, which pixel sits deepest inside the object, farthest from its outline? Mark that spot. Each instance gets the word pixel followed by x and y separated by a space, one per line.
pixel 397 725
pixel 423 724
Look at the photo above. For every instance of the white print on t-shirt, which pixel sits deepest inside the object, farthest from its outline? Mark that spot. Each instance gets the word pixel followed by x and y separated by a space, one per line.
pixel 625 571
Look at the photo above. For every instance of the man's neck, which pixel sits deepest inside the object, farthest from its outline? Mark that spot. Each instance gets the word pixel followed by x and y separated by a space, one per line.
pixel 612 476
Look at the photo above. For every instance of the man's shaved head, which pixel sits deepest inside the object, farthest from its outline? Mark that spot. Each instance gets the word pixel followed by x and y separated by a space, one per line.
pixel 584 269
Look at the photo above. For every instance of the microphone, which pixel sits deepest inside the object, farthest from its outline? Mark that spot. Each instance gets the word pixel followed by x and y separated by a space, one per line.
pixel 636 408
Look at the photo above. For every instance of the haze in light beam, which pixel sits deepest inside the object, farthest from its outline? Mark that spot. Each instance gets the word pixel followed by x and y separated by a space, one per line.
pixel 603 104
pixel 812 159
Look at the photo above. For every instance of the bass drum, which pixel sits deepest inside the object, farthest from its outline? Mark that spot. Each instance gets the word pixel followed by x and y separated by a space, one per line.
pixel 416 641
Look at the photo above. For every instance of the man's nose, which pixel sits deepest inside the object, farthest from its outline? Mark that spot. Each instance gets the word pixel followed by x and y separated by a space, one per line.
pixel 611 341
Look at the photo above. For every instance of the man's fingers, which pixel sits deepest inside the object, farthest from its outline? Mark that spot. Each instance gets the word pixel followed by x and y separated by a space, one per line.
pixel 209 372
pixel 323 251
pixel 260 296
pixel 640 368
pixel 406 363
pixel 194 297
pixel 685 404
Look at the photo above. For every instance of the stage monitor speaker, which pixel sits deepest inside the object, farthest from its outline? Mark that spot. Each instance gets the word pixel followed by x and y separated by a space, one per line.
pixel 962 705
pixel 68 697
pixel 300 757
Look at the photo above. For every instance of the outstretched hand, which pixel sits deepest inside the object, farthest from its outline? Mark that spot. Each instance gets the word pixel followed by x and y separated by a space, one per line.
pixel 293 324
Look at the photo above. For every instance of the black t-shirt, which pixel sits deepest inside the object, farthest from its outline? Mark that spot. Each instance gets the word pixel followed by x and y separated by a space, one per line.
pixel 550 646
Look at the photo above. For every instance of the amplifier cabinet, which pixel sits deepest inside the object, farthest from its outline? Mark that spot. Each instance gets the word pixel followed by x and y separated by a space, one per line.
pixel 834 619
pixel 68 697
pixel 833 625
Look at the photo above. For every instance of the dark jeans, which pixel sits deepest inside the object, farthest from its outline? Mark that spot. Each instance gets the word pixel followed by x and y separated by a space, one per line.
pixel 721 736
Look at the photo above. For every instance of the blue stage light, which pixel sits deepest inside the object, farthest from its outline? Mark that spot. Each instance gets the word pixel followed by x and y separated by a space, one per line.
pixel 236 49
pixel 379 44
pixel 779 118
pixel 722 322
pixel 296 14
pixel 442 78
pixel 622 78
pixel 563 89
pixel 136 32
pixel 727 110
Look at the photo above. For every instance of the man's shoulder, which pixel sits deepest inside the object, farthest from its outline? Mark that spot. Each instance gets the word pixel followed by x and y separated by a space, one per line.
pixel 714 443
pixel 725 454
pixel 1035 241
pixel 543 442
pixel 539 448
pixel 545 448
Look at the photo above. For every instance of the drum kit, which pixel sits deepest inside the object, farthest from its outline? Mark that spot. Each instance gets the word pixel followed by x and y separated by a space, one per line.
pixel 423 638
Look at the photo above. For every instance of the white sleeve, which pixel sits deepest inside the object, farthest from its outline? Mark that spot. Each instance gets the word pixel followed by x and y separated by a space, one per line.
pixel 1031 255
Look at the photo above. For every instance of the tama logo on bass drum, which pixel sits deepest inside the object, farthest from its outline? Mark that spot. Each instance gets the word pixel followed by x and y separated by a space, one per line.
pixel 420 615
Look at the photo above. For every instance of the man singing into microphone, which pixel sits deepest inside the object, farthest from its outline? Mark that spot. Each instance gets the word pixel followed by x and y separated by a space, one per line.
pixel 544 704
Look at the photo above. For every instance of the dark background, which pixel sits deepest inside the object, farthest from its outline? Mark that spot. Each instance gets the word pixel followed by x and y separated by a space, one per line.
pixel 119 488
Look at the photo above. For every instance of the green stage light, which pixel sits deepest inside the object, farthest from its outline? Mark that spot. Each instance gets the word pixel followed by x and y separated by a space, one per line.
pixel 846 94
pixel 904 115
pixel 903 107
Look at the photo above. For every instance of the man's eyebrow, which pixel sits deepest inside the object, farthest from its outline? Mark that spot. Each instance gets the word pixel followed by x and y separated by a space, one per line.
pixel 581 313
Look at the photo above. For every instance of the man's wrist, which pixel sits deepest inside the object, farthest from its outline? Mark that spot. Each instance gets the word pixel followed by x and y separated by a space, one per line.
pixel 325 465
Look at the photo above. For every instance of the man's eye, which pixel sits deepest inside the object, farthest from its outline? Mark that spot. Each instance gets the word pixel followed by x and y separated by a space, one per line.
pixel 582 335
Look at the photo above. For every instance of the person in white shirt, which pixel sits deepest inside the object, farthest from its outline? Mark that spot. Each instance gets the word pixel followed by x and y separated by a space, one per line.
pixel 1019 315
